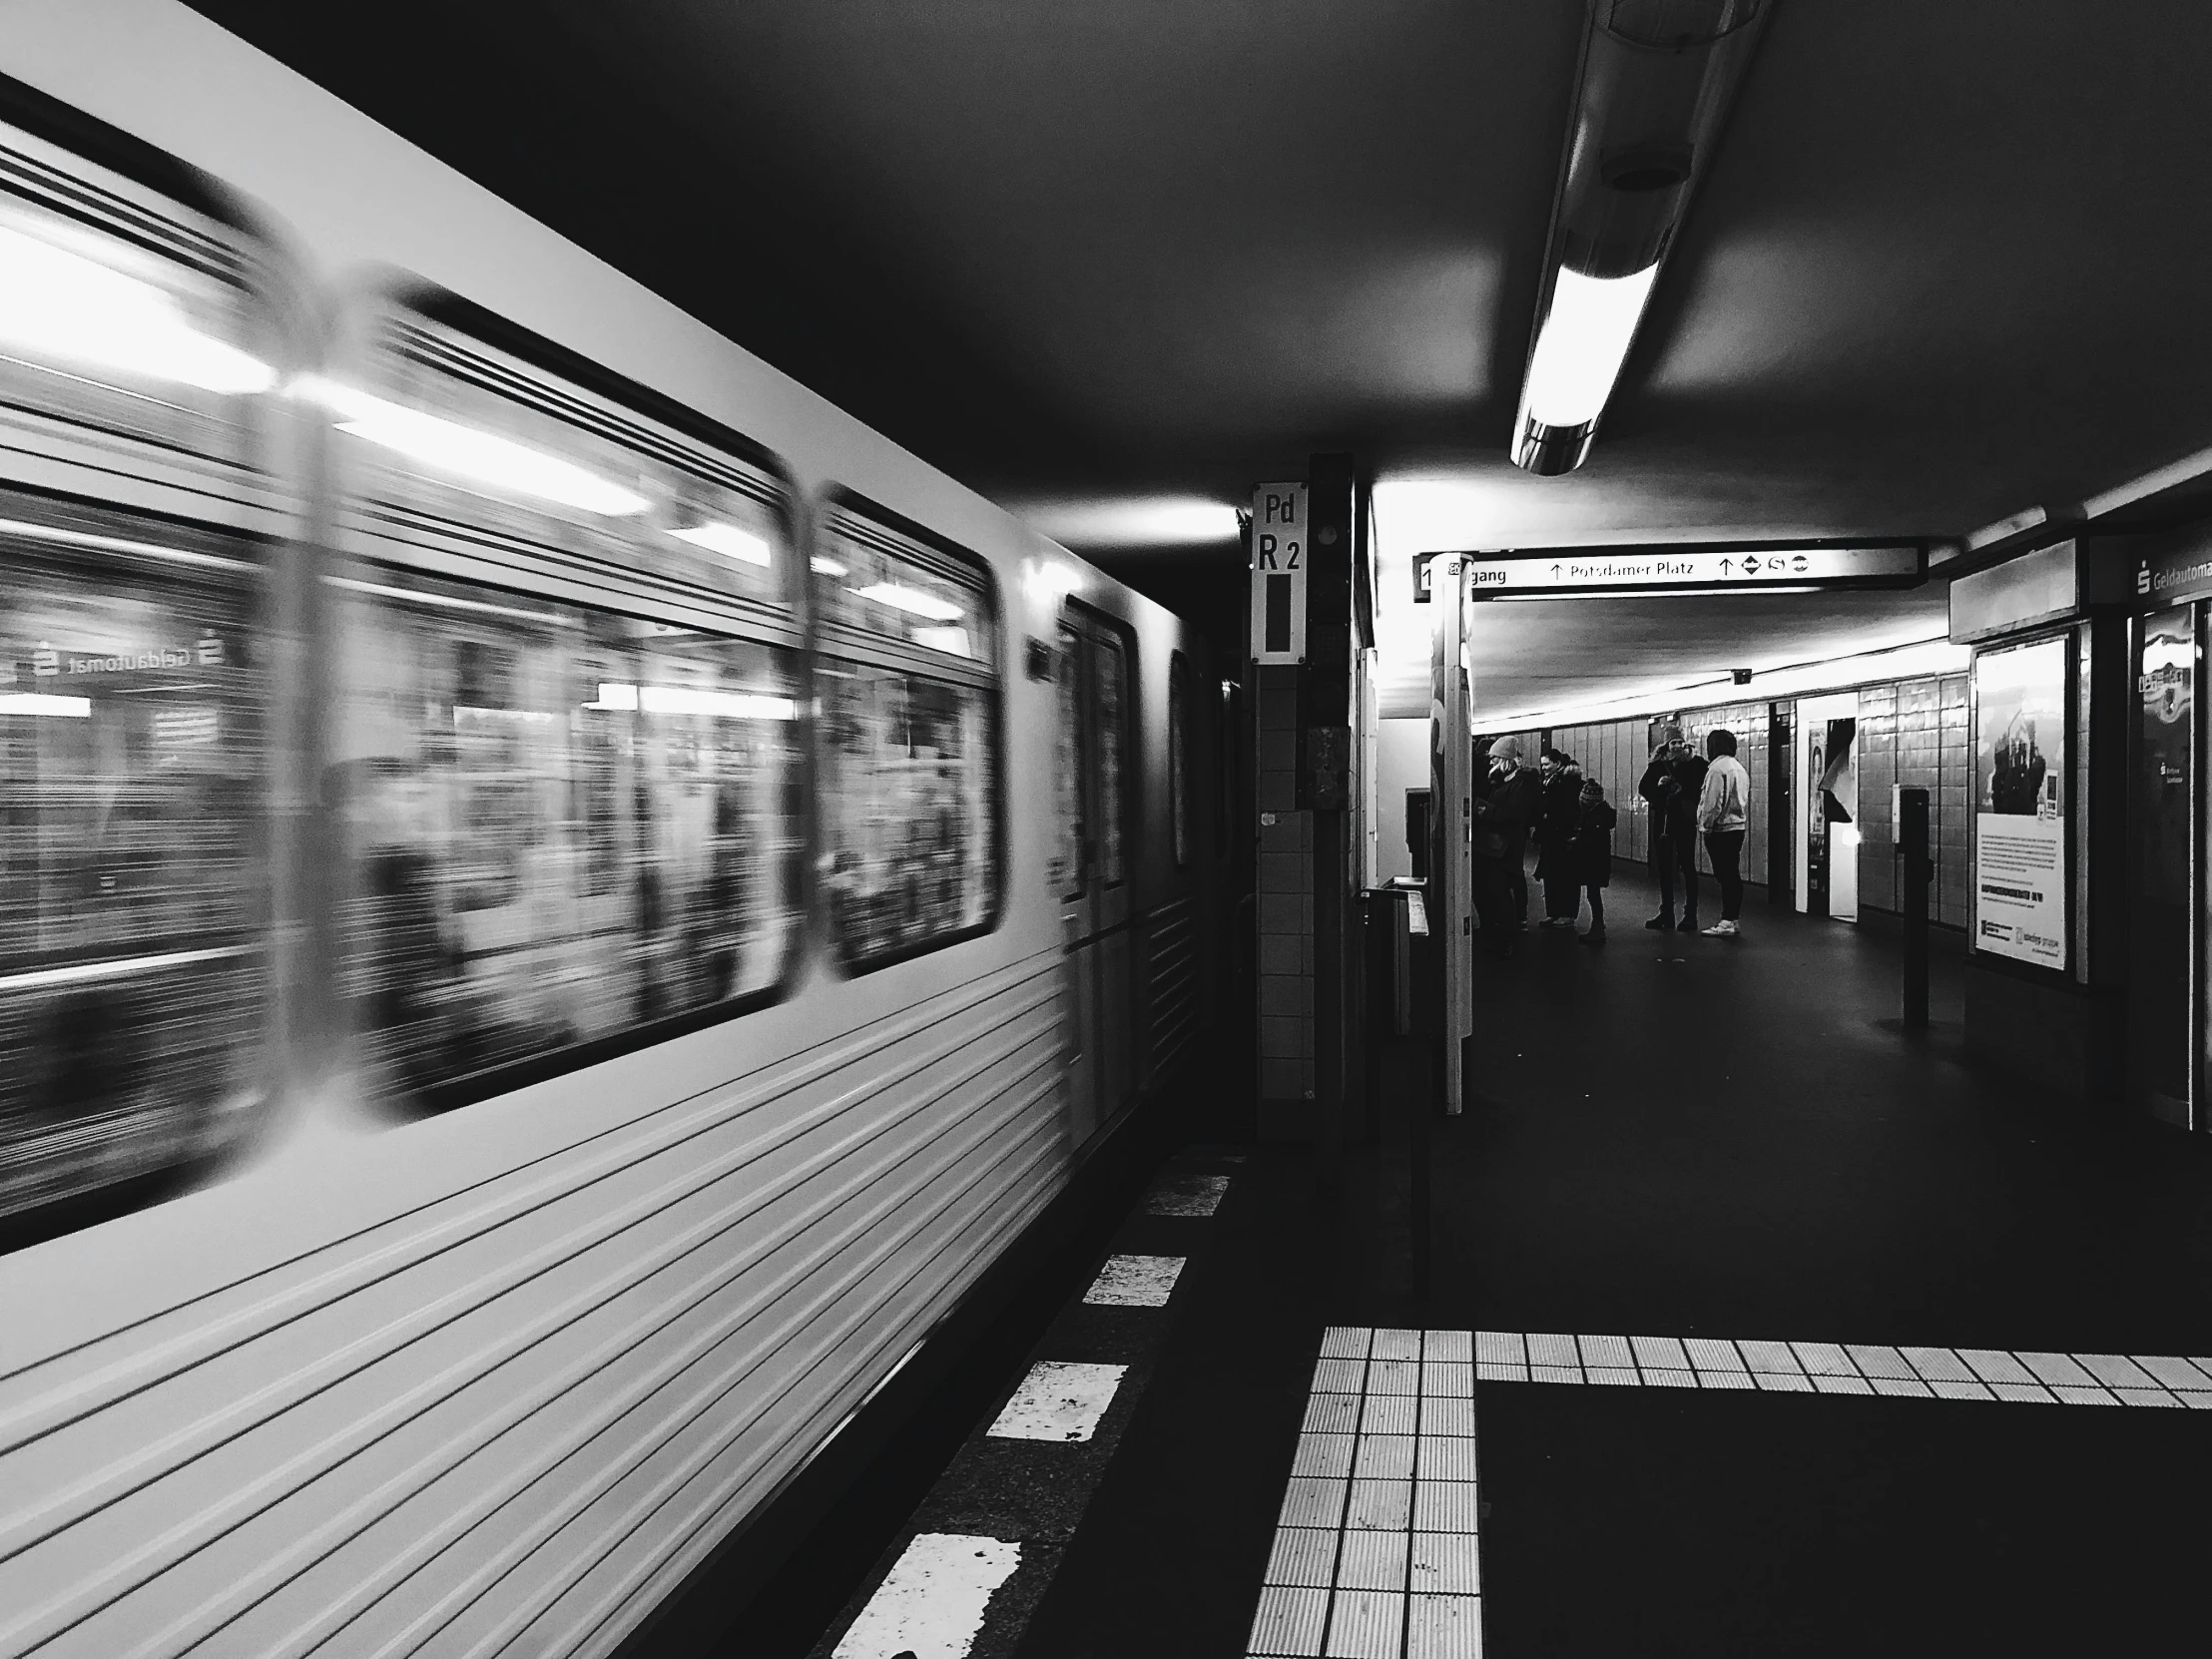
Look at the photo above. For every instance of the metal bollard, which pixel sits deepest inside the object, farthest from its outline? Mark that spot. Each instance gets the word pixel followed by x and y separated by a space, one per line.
pixel 1914 876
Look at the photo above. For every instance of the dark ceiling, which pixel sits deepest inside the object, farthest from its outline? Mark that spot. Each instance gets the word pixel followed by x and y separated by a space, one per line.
pixel 1945 266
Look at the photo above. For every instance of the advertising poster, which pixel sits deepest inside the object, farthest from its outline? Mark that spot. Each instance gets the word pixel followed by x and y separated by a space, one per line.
pixel 2020 802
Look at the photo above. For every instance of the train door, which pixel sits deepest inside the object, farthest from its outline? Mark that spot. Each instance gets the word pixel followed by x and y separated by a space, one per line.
pixel 2162 990
pixel 1094 874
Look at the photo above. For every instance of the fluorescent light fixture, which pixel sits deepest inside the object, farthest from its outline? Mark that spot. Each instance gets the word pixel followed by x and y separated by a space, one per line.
pixel 952 640
pixel 1582 345
pixel 727 540
pixel 910 600
pixel 826 567
pixel 477 456
pixel 465 713
pixel 38 702
pixel 621 697
pixel 62 305
pixel 1915 660
pixel 1133 521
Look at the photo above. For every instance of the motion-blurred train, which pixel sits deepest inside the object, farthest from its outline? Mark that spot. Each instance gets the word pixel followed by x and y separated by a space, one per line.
pixel 560 900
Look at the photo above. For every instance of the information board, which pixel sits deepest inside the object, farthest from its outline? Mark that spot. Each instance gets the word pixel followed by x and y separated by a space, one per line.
pixel 1645 569
pixel 2020 739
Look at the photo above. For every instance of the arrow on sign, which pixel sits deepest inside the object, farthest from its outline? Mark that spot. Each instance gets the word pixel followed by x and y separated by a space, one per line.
pixel 1724 567
pixel 1555 572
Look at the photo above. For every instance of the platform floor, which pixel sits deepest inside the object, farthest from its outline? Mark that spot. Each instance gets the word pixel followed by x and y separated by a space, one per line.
pixel 1818 1226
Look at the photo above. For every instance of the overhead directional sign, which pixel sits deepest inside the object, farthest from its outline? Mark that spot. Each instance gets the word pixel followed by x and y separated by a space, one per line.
pixel 1563 572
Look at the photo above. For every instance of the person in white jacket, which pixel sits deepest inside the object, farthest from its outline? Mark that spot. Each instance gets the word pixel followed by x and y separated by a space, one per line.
pixel 1723 814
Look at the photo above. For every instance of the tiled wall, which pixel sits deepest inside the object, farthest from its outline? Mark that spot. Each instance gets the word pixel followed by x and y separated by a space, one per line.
pixel 1613 754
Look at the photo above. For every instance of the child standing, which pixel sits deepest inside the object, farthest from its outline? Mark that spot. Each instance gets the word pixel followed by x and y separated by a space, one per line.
pixel 1592 853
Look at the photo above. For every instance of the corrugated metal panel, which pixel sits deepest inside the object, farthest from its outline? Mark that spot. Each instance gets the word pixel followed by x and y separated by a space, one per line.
pixel 1172 979
pixel 560 1383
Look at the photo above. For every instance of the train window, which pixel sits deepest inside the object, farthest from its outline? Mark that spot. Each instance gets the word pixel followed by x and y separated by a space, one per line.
pixel 1112 661
pixel 908 736
pixel 134 909
pixel 564 749
pixel 1067 766
pixel 132 976
pixel 1179 757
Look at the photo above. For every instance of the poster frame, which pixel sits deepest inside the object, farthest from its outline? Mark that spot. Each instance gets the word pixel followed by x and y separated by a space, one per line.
pixel 2069 634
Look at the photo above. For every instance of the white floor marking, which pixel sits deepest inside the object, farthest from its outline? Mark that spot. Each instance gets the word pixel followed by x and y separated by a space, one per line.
pixel 1058 1401
pixel 1187 1195
pixel 1375 1556
pixel 1135 1282
pixel 1804 1367
pixel 931 1602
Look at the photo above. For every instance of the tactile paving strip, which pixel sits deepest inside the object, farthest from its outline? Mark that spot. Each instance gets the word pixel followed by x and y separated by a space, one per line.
pixel 1376 1551
pixel 1846 1369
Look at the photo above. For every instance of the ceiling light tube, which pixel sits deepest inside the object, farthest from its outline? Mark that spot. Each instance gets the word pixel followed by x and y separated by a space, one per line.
pixel 1656 80
pixel 61 306
pixel 728 540
pixel 482 458
pixel 910 600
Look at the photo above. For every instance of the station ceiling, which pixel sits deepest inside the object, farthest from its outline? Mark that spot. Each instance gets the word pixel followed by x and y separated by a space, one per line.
pixel 1111 260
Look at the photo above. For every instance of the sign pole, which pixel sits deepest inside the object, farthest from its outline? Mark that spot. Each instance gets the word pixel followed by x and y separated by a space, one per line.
pixel 1451 814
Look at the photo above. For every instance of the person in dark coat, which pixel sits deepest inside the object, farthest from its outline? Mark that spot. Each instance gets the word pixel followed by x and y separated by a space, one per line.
pixel 1555 826
pixel 1590 851
pixel 1516 801
pixel 1507 803
pixel 1672 783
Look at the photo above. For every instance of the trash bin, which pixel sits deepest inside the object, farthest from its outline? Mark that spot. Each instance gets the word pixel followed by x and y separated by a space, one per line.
pixel 1396 924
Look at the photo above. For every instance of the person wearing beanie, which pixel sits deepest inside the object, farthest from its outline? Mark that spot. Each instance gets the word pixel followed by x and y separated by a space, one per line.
pixel 1590 853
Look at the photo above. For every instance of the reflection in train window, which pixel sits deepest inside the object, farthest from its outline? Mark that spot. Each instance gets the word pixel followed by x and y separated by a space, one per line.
pixel 907 741
pixel 1068 874
pixel 1179 757
pixel 132 979
pixel 1113 742
pixel 561 824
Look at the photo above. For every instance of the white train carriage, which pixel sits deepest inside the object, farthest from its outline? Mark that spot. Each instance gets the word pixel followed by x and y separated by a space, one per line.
pixel 561 901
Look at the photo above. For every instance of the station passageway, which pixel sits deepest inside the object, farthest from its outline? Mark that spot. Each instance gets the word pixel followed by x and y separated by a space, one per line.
pixel 1251 829
pixel 1791 1332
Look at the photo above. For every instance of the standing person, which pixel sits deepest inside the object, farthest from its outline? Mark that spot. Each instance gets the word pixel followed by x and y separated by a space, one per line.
pixel 1555 826
pixel 1591 851
pixel 1503 813
pixel 1724 814
pixel 1672 783
pixel 1517 799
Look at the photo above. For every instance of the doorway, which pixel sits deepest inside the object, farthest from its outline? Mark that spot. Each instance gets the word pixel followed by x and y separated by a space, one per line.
pixel 1092 869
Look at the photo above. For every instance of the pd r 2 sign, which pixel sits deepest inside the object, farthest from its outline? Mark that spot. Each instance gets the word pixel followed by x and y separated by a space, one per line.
pixel 1279 573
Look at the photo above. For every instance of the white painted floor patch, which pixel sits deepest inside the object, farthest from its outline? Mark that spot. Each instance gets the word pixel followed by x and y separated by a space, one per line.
pixel 1058 1401
pixel 2026 1377
pixel 1135 1282
pixel 1187 1195
pixel 931 1602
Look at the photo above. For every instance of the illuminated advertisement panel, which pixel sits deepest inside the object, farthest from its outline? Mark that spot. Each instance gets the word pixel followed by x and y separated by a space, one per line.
pixel 2020 802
